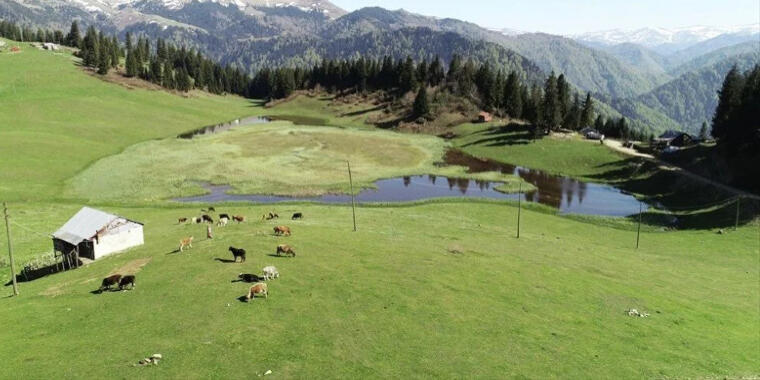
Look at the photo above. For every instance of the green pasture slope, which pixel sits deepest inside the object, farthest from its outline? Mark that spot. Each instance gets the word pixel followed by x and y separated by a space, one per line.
pixel 439 289
pixel 55 120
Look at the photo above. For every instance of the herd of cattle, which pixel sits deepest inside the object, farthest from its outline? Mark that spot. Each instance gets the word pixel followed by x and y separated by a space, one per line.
pixel 259 287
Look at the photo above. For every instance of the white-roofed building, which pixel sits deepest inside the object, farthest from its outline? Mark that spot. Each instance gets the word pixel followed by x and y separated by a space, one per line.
pixel 93 234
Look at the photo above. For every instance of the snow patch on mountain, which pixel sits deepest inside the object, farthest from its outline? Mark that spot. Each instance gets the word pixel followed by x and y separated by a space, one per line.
pixel 652 37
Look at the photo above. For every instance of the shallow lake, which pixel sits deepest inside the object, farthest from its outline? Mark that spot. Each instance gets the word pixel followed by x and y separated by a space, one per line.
pixel 567 195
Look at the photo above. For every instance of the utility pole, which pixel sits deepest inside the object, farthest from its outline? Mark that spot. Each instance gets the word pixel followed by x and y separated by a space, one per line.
pixel 519 207
pixel 638 230
pixel 738 207
pixel 353 201
pixel 10 249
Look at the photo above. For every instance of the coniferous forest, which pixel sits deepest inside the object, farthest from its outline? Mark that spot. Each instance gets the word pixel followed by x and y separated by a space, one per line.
pixel 548 106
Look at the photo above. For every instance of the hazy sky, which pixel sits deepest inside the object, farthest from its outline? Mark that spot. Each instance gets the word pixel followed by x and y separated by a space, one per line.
pixel 578 16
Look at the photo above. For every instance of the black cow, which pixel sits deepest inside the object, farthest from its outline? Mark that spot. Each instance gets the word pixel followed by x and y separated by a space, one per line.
pixel 224 216
pixel 238 252
pixel 127 280
pixel 297 215
pixel 109 281
pixel 247 277
pixel 207 218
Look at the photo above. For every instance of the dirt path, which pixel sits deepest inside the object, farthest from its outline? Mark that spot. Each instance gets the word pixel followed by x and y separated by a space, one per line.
pixel 618 147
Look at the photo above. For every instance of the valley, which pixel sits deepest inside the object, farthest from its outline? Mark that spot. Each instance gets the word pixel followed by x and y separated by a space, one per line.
pixel 480 245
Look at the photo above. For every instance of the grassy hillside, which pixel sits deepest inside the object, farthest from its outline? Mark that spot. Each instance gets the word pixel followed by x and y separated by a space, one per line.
pixel 439 290
pixel 56 120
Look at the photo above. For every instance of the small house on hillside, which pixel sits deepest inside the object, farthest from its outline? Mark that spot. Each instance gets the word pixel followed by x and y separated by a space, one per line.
pixel 484 117
pixel 675 138
pixel 591 134
pixel 93 234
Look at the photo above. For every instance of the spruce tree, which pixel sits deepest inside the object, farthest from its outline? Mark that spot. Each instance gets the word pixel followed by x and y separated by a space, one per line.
pixel 74 39
pixel 437 75
pixel 573 117
pixel 563 96
pixel 551 110
pixel 104 62
pixel 131 64
pixel 587 112
pixel 407 79
pixel 729 98
pixel 421 106
pixel 512 98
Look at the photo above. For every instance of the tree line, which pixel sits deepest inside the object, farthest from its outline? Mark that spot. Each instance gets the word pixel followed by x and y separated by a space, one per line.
pixel 736 122
pixel 548 106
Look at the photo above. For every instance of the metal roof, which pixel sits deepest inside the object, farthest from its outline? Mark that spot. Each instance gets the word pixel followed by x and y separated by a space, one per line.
pixel 84 225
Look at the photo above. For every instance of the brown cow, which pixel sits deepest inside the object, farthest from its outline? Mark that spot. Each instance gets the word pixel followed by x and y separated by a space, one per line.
pixel 182 220
pixel 282 230
pixel 257 289
pixel 108 281
pixel 239 218
pixel 186 242
pixel 127 280
pixel 285 250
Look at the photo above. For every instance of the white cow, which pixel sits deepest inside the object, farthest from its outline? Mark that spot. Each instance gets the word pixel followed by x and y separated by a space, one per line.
pixel 270 273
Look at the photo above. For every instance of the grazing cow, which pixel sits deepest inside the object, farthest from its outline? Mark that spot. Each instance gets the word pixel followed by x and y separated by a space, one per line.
pixel 186 242
pixel 297 215
pixel 239 218
pixel 270 273
pixel 127 280
pixel 181 220
pixel 211 209
pixel 257 290
pixel 225 216
pixel 270 216
pixel 238 252
pixel 222 222
pixel 282 230
pixel 109 281
pixel 207 218
pixel 246 277
pixel 285 250
pixel 196 220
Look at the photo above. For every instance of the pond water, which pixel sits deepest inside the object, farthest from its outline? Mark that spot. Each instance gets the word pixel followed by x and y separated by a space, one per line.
pixel 563 193
pixel 567 195
pixel 216 128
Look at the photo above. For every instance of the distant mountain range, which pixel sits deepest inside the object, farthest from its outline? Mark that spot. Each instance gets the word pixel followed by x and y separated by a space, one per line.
pixel 666 41
pixel 648 75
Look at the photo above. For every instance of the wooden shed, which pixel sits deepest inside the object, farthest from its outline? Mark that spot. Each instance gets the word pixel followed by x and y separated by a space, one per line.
pixel 93 234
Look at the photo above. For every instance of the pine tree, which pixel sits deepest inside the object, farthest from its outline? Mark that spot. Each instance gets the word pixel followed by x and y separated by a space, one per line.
pixel 407 76
pixel 563 96
pixel 729 98
pixel 131 63
pixel 90 48
pixel 104 62
pixel 573 117
pixel 74 39
pixel 551 110
pixel 421 106
pixel 437 75
pixel 587 112
pixel 512 98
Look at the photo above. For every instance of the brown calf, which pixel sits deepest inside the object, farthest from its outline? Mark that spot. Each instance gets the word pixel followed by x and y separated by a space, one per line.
pixel 257 289
pixel 186 242
pixel 239 218
pixel 285 250
pixel 282 230
pixel 108 281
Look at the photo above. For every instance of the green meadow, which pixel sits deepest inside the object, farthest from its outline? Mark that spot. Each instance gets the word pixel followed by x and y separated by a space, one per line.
pixel 433 289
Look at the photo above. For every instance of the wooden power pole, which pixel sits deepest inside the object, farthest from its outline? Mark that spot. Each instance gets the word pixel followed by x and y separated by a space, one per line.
pixel 353 201
pixel 638 229
pixel 10 249
pixel 519 207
